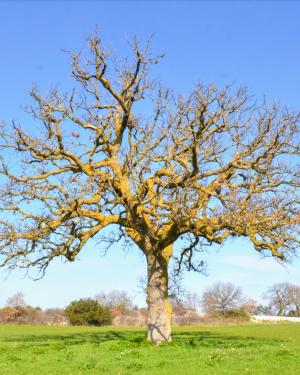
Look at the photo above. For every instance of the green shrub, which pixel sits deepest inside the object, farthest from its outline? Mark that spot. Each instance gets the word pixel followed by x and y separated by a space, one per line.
pixel 237 313
pixel 87 312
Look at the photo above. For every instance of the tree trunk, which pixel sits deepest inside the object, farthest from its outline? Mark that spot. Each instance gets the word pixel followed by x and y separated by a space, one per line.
pixel 159 308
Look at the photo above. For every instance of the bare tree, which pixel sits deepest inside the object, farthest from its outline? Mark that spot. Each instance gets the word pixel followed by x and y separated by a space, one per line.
pixel 284 299
pixel 122 150
pixel 16 301
pixel 55 316
pixel 191 301
pixel 15 310
pixel 295 305
pixel 187 301
pixel 116 299
pixel 250 306
pixel 221 298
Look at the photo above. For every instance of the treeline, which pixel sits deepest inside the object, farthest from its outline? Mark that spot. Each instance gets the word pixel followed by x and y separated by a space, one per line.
pixel 226 299
pixel 18 311
pixel 220 301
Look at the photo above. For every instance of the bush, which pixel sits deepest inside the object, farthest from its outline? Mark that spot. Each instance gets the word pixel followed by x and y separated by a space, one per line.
pixel 88 312
pixel 10 314
pixel 55 316
pixel 237 313
pixel 21 315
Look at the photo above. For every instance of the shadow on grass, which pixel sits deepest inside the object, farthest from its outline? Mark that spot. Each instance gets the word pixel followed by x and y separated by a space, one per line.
pixel 190 339
pixel 217 340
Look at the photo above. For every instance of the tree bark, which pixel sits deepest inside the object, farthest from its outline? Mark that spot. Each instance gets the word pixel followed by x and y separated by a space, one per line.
pixel 159 308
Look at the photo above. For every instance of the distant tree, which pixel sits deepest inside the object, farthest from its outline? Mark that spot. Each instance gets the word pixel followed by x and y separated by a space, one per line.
pixel 55 316
pixel 284 299
pixel 10 314
pixel 264 310
pixel 121 150
pixel 250 306
pixel 32 315
pixel 17 311
pixel 191 300
pixel 295 305
pixel 121 305
pixel 116 299
pixel 184 308
pixel 221 298
pixel 17 300
pixel 187 301
pixel 87 312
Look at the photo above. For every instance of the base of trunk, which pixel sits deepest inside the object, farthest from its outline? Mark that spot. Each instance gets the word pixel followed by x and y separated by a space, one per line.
pixel 159 332
pixel 159 308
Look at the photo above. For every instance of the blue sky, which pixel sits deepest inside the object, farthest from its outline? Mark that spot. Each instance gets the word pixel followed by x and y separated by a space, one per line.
pixel 251 43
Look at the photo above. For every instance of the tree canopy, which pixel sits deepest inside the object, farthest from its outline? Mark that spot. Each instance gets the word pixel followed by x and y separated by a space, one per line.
pixel 122 149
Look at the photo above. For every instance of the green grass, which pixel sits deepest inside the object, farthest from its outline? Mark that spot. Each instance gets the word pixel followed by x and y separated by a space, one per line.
pixel 236 349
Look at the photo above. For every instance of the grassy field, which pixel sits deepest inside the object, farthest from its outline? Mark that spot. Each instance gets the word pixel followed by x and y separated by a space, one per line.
pixel 241 349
